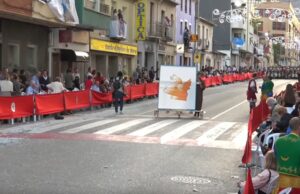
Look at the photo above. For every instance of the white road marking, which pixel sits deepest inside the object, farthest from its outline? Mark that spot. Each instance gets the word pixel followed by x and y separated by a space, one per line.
pixel 89 126
pixel 214 132
pixel 226 111
pixel 151 128
pixel 180 131
pixel 241 138
pixel 121 127
pixel 57 126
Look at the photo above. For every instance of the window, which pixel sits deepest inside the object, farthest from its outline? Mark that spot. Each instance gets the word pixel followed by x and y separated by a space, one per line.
pixel 151 16
pixel 181 5
pixel 31 55
pixel 279 26
pixel 181 28
pixel 206 33
pixel 185 6
pixel 180 60
pixel 91 4
pixel 13 55
pixel 190 28
pixel 190 8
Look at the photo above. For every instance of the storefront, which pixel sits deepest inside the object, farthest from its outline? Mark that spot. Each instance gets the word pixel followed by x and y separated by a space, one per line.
pixel 69 48
pixel 110 57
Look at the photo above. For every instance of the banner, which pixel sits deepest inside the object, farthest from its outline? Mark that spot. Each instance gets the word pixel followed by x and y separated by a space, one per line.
pixel 177 88
pixel 77 100
pixel 49 103
pixel 16 107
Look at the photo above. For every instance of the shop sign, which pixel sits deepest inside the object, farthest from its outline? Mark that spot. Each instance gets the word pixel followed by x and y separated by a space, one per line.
pixel 194 38
pixel 180 48
pixel 100 45
pixel 141 20
pixel 197 58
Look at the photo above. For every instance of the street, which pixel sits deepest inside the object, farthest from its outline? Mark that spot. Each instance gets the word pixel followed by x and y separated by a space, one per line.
pixel 100 152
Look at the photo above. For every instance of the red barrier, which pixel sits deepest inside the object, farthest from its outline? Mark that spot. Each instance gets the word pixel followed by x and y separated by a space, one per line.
pixel 207 82
pixel 137 91
pixel 16 107
pixel 151 89
pixel 77 100
pixel 220 80
pixel 127 92
pixel 101 98
pixel 213 81
pixel 49 104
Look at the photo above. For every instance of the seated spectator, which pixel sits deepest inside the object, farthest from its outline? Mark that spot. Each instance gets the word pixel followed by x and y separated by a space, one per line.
pixel 263 180
pixel 18 86
pixel 30 90
pixel 35 79
pixel 44 80
pixel 6 85
pixel 96 86
pixel 283 123
pixel 289 99
pixel 56 86
pixel 296 111
pixel 287 152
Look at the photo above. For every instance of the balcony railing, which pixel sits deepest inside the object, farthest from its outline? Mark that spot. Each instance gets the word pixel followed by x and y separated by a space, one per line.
pixel 203 44
pixel 118 30
pixel 161 31
pixel 104 9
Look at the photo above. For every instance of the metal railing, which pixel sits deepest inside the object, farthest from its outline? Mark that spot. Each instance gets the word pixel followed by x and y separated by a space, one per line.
pixel 160 30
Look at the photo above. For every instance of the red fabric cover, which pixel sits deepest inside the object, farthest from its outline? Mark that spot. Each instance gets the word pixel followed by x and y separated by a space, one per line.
pixel 137 91
pixel 249 189
pixel 151 89
pixel 49 104
pixel 127 91
pixel 101 98
pixel 16 107
pixel 77 100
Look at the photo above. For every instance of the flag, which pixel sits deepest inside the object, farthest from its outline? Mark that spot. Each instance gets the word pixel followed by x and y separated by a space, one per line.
pixel 249 189
pixel 247 151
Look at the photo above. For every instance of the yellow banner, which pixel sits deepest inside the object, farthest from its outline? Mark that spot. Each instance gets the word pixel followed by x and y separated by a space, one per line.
pixel 100 45
pixel 141 19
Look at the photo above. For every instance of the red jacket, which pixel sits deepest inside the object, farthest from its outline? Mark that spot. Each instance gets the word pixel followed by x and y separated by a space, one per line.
pixel 251 92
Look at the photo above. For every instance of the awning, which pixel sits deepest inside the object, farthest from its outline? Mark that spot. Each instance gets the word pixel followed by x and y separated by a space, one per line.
pixel 73 56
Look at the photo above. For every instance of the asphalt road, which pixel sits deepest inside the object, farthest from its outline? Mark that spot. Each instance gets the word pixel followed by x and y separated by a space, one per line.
pixel 49 157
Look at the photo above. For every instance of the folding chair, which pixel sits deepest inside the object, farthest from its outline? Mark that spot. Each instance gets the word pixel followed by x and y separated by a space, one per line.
pixel 258 156
pixel 271 138
pixel 285 191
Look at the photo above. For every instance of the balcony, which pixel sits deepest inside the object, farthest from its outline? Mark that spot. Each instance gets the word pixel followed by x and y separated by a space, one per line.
pixel 203 44
pixel 177 2
pixel 239 23
pixel 161 31
pixel 118 30
pixel 104 9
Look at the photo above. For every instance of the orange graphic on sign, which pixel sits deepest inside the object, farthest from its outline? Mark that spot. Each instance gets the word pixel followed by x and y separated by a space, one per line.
pixel 179 89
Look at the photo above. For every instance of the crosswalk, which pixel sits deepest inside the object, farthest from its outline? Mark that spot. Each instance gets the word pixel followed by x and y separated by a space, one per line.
pixel 206 133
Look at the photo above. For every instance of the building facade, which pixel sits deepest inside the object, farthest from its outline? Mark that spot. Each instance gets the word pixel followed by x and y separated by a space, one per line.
pixel 112 44
pixel 286 32
pixel 222 31
pixel 204 48
pixel 158 46
pixel 185 26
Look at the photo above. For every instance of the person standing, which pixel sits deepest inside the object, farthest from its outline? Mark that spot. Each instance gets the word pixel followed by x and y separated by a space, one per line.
pixel 267 88
pixel 69 79
pixel 200 87
pixel 118 93
pixel 251 92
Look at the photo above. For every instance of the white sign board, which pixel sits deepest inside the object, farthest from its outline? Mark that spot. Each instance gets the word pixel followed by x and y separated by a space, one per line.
pixel 177 88
pixel 180 48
